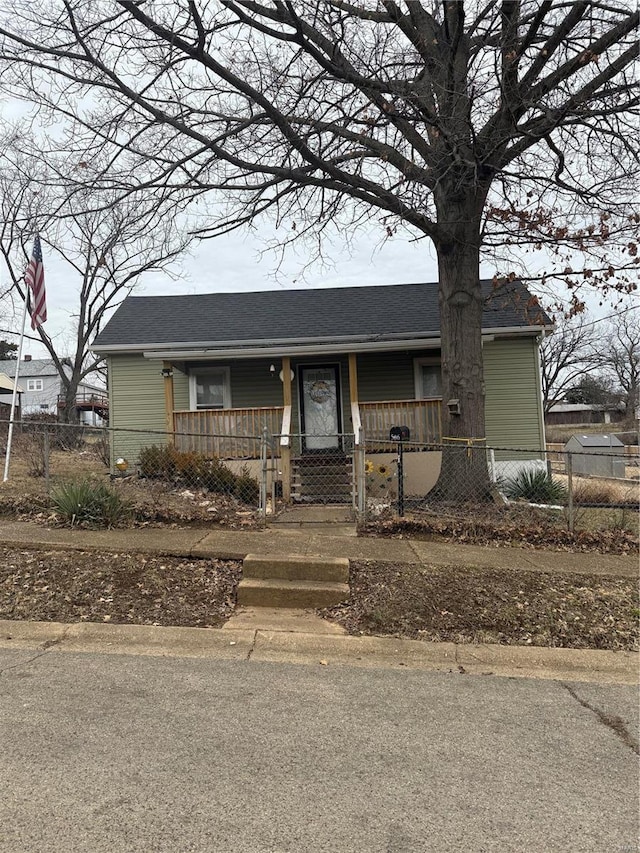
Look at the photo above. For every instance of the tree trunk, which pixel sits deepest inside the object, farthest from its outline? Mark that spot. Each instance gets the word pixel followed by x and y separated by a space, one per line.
pixel 464 472
pixel 69 413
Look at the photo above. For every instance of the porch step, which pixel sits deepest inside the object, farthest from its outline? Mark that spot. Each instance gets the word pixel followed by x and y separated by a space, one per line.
pixel 294 567
pixel 260 592
pixel 293 580
pixel 322 478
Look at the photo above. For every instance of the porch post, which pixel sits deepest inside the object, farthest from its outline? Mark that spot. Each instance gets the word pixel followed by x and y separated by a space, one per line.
pixel 167 374
pixel 353 379
pixel 285 450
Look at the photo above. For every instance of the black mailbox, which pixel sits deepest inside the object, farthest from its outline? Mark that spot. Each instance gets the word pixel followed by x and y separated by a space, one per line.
pixel 399 433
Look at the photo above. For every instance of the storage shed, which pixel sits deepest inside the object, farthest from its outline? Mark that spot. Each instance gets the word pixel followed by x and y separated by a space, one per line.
pixel 596 455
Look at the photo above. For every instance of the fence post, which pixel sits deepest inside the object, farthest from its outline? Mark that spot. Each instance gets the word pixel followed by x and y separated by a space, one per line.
pixel 46 452
pixel 362 480
pixel 570 490
pixel 263 477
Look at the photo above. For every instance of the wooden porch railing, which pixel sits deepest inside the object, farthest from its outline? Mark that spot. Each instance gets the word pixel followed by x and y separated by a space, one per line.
pixel 225 433
pixel 423 417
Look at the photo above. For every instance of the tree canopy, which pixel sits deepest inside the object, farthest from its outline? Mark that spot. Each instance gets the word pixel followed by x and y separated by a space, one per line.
pixel 488 128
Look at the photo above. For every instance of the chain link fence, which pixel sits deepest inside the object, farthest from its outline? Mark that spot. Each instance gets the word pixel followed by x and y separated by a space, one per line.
pixel 149 463
pixel 577 490
pixel 595 489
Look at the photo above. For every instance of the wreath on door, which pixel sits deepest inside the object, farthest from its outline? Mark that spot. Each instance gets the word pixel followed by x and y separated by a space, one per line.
pixel 320 391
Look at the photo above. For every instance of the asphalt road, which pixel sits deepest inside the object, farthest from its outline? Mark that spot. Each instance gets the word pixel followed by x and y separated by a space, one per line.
pixel 123 753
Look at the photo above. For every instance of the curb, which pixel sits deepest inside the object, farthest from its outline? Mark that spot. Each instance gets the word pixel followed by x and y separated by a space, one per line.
pixel 601 666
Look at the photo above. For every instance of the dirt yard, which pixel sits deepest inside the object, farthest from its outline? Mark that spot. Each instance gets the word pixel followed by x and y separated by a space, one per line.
pixel 466 605
pixel 462 605
pixel 133 589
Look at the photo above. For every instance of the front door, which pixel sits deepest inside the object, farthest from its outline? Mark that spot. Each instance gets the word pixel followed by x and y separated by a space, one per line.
pixel 320 407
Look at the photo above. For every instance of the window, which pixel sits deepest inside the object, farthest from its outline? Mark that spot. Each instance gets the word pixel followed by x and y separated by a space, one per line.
pixel 210 388
pixel 35 385
pixel 428 378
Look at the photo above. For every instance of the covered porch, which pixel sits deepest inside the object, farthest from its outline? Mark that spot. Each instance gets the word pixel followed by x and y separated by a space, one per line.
pixel 318 420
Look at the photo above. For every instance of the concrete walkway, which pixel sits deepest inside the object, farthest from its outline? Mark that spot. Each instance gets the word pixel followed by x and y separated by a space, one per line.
pixel 236 544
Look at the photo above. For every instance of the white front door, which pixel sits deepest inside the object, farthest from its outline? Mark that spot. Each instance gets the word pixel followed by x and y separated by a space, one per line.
pixel 319 396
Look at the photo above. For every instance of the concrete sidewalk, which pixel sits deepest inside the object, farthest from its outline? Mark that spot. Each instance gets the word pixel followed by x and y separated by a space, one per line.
pixel 236 544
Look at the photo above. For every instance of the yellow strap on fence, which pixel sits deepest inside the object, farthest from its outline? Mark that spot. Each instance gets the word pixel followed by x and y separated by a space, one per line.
pixel 468 441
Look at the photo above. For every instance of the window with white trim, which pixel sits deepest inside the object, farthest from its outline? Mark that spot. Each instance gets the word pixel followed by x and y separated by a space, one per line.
pixel 428 378
pixel 35 385
pixel 210 388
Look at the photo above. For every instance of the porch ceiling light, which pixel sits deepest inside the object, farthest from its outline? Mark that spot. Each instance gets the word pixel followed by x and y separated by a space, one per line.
pixel 272 370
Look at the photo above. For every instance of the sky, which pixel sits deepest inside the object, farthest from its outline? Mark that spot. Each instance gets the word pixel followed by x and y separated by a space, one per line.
pixel 238 263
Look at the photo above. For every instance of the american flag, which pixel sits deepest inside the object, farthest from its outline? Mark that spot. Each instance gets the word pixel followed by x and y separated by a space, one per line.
pixel 34 278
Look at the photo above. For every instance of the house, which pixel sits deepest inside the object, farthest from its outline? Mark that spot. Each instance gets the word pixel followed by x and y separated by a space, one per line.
pixel 6 396
pixel 321 369
pixel 572 414
pixel 43 389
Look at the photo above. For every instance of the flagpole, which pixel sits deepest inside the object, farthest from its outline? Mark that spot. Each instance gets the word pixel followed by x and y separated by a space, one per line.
pixel 15 393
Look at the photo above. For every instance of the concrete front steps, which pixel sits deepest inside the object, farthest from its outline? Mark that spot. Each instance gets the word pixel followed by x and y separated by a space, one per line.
pixel 293 581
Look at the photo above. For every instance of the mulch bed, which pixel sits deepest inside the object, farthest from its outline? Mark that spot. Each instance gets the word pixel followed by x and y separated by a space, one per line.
pixel 465 605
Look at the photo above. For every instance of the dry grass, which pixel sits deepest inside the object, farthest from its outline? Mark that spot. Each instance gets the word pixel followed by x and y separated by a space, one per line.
pixel 154 502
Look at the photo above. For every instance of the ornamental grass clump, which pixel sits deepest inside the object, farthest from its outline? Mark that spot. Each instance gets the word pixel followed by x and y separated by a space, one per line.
pixel 88 503
pixel 536 487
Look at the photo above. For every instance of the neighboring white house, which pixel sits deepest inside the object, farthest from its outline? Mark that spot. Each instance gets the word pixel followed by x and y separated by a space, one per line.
pixel 42 387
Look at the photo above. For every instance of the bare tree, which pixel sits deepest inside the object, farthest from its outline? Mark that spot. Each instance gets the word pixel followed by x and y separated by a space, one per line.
pixel 566 356
pixel 106 251
pixel 620 347
pixel 482 126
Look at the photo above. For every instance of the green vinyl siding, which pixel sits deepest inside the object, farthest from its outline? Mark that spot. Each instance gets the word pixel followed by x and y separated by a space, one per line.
pixel 513 413
pixel 253 385
pixel 513 405
pixel 388 375
pixel 180 391
pixel 136 402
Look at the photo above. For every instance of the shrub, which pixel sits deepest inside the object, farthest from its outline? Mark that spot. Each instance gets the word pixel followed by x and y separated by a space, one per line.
pixel 194 469
pixel 102 447
pixel 536 487
pixel 90 504
pixel 62 436
pixel 247 489
pixel 158 462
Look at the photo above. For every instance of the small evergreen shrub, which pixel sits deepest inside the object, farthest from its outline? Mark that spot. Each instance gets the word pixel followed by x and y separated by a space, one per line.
pixel 158 462
pixel 247 489
pixel 536 487
pixel 90 504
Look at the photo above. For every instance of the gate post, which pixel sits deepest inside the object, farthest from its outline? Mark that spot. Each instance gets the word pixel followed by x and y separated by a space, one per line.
pixel 263 476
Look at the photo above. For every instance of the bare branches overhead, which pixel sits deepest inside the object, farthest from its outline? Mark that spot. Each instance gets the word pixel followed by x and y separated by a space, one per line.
pixel 489 127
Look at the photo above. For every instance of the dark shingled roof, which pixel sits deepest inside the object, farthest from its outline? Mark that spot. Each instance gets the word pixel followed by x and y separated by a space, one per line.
pixel 382 311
